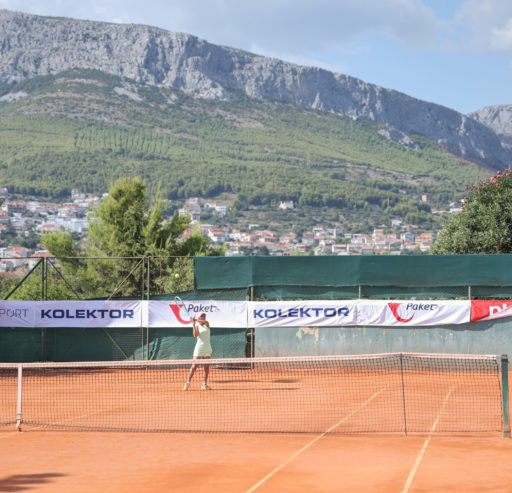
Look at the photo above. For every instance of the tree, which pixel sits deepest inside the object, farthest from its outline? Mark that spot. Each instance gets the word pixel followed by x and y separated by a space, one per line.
pixel 32 288
pixel 485 223
pixel 123 231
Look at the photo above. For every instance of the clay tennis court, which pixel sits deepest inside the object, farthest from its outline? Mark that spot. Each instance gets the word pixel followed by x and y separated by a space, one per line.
pixel 54 461
pixel 288 427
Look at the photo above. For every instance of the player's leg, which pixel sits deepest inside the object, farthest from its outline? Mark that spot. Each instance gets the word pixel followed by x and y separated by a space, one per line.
pixel 206 374
pixel 190 375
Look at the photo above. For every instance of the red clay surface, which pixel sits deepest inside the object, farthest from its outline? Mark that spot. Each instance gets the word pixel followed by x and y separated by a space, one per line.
pixel 49 460
pixel 54 461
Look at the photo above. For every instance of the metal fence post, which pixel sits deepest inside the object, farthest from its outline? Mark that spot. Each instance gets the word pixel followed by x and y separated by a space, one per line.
pixel 147 328
pixel 44 295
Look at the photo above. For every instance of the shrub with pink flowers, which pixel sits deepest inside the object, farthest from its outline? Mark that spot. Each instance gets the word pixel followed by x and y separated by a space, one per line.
pixel 484 224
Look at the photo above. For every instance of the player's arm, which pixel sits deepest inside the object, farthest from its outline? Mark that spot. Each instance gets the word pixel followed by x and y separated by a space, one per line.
pixel 195 329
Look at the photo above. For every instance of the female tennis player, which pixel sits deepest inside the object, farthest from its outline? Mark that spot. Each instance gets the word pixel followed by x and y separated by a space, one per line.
pixel 203 349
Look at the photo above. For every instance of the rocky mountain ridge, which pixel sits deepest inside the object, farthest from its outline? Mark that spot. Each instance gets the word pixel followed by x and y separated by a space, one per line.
pixel 498 118
pixel 33 45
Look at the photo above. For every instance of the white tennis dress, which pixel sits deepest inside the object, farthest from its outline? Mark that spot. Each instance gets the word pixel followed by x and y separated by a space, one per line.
pixel 203 347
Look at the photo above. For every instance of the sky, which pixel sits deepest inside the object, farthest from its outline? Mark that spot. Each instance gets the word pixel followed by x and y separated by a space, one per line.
pixel 457 53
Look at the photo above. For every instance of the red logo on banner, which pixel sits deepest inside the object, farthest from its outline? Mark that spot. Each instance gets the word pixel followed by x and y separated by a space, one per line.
pixel 394 310
pixel 176 310
pixel 483 309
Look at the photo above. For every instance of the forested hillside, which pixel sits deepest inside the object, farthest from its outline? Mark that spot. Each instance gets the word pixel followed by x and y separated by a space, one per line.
pixel 83 129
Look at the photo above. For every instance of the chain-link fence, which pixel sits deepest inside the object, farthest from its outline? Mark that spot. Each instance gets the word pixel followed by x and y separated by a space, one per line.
pixel 75 278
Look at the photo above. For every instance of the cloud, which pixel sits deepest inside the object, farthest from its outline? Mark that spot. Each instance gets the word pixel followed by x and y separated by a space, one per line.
pixel 487 25
pixel 304 27
pixel 501 38
pixel 9 4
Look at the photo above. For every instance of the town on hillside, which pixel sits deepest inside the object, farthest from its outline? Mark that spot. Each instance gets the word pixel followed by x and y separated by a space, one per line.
pixel 30 218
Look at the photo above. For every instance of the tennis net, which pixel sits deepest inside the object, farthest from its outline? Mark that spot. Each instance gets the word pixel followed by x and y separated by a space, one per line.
pixel 381 393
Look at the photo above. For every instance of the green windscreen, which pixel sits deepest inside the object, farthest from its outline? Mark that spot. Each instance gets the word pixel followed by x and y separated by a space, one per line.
pixel 369 276
pixel 24 345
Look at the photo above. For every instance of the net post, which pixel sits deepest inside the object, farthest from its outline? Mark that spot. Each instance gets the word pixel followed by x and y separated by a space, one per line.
pixel 403 392
pixel 505 395
pixel 19 398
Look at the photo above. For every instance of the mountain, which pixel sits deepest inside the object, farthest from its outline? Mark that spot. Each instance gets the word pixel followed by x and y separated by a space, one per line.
pixel 33 46
pixel 84 128
pixel 498 119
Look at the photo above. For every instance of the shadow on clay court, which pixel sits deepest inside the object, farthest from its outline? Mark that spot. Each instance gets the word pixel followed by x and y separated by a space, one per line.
pixel 21 482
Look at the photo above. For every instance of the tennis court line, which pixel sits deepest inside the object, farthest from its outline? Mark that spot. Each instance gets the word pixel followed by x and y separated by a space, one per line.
pixel 417 463
pixel 312 442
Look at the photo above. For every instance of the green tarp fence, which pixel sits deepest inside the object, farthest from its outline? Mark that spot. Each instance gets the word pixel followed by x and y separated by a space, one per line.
pixel 366 276
pixel 26 345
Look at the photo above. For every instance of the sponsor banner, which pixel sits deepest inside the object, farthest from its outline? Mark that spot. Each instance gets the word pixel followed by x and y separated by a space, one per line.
pixel 225 314
pixel 490 309
pixel 322 313
pixel 17 313
pixel 240 314
pixel 88 313
pixel 413 312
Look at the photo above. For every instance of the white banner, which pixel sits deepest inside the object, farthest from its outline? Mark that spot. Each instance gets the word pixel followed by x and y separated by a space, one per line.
pixel 323 313
pixel 88 313
pixel 17 313
pixel 413 312
pixel 241 314
pixel 226 314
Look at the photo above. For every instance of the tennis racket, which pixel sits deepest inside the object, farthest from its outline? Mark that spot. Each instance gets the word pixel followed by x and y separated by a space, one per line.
pixel 184 314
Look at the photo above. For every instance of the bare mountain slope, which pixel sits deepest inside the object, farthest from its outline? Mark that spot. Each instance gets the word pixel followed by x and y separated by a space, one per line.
pixel 498 119
pixel 33 45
